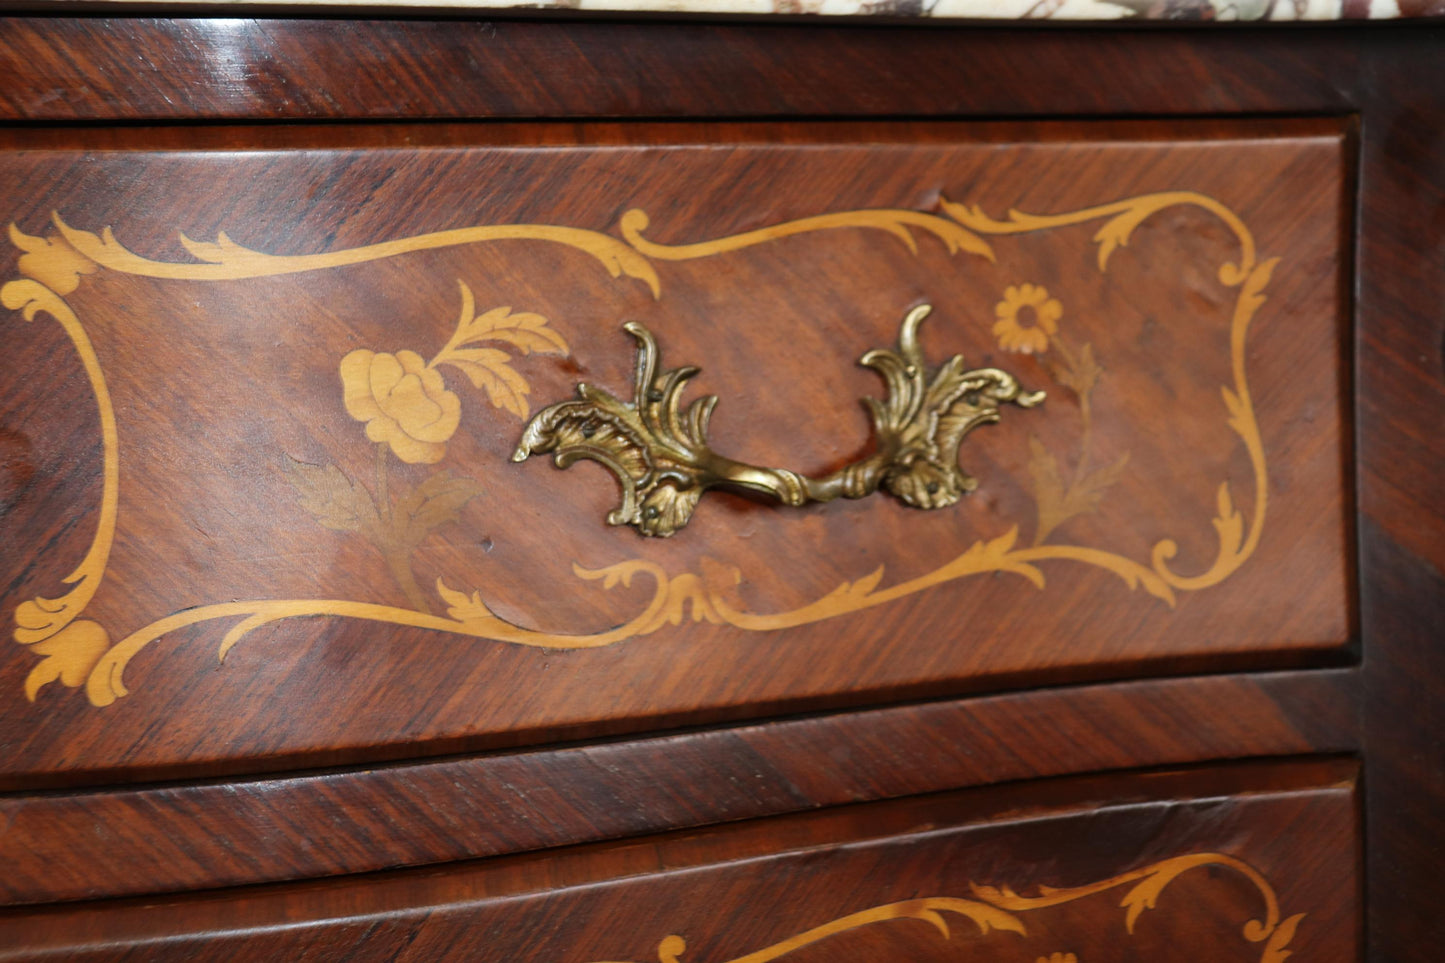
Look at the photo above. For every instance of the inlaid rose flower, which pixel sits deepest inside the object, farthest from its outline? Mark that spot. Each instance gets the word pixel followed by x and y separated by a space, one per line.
pixel 1027 319
pixel 403 402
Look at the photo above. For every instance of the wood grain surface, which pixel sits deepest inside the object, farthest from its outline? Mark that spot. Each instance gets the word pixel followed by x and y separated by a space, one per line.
pixel 1401 443
pixel 1181 307
pixel 86 71
pixel 1273 844
pixel 78 69
pixel 91 844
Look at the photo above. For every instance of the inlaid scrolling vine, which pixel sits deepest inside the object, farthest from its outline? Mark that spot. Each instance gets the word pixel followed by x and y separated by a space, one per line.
pixel 996 909
pixel 409 412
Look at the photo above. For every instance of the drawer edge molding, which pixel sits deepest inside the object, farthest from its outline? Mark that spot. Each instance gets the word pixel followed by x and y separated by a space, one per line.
pixel 234 830
pixel 1261 852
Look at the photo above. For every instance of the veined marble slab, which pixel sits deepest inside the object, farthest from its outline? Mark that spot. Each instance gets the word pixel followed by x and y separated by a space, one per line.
pixel 1221 10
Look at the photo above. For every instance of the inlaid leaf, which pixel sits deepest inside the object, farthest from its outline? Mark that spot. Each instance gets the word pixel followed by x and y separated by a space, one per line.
pixel 1083 374
pixel 619 574
pixel 70 655
pixel 330 496
pixel 435 502
pixel 1090 489
pixel 462 607
pixel 489 370
pixel 994 555
pixel 1229 523
pixel 221 251
pixel 1048 488
pixel 1275 950
pixel 1116 231
pixel 51 261
pixel 1002 896
pixel 526 331
pixel 864 585
pixel 1232 402
pixel 1058 502
pixel 1143 896
pixel 1004 543
pixel 1241 417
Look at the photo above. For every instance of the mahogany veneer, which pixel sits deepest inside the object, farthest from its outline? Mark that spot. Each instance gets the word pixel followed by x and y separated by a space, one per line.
pixel 1176 500
pixel 152 795
pixel 855 883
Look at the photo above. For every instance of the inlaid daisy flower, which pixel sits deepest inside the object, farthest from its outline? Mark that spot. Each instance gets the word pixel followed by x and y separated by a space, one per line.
pixel 1027 319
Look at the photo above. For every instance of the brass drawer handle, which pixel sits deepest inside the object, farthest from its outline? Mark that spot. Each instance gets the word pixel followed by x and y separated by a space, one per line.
pixel 660 454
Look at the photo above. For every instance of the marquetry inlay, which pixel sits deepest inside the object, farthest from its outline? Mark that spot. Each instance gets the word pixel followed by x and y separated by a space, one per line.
pixel 406 403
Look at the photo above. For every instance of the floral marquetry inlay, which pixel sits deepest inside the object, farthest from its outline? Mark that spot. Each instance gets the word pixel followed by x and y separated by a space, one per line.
pixel 407 402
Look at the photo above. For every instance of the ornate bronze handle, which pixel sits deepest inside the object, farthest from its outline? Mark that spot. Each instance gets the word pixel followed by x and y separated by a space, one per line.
pixel 660 454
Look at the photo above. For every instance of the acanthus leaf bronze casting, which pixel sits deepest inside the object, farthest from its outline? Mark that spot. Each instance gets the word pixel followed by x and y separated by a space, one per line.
pixel 661 457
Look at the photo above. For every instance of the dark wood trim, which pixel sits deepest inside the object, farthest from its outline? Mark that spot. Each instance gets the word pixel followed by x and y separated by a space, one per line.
pixel 1400 395
pixel 62 69
pixel 341 914
pixel 78 845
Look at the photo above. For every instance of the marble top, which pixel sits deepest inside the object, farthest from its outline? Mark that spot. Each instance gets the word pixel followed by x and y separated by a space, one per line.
pixel 923 10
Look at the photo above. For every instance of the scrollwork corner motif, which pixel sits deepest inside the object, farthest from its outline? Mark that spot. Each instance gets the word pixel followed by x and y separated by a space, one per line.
pixel 69 647
pixel 52 261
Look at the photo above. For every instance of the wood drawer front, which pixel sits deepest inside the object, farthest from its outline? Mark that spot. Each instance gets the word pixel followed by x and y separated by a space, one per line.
pixel 292 444
pixel 1246 863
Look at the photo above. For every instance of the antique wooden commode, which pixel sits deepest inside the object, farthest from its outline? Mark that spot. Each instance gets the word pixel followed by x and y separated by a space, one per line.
pixel 1001 518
